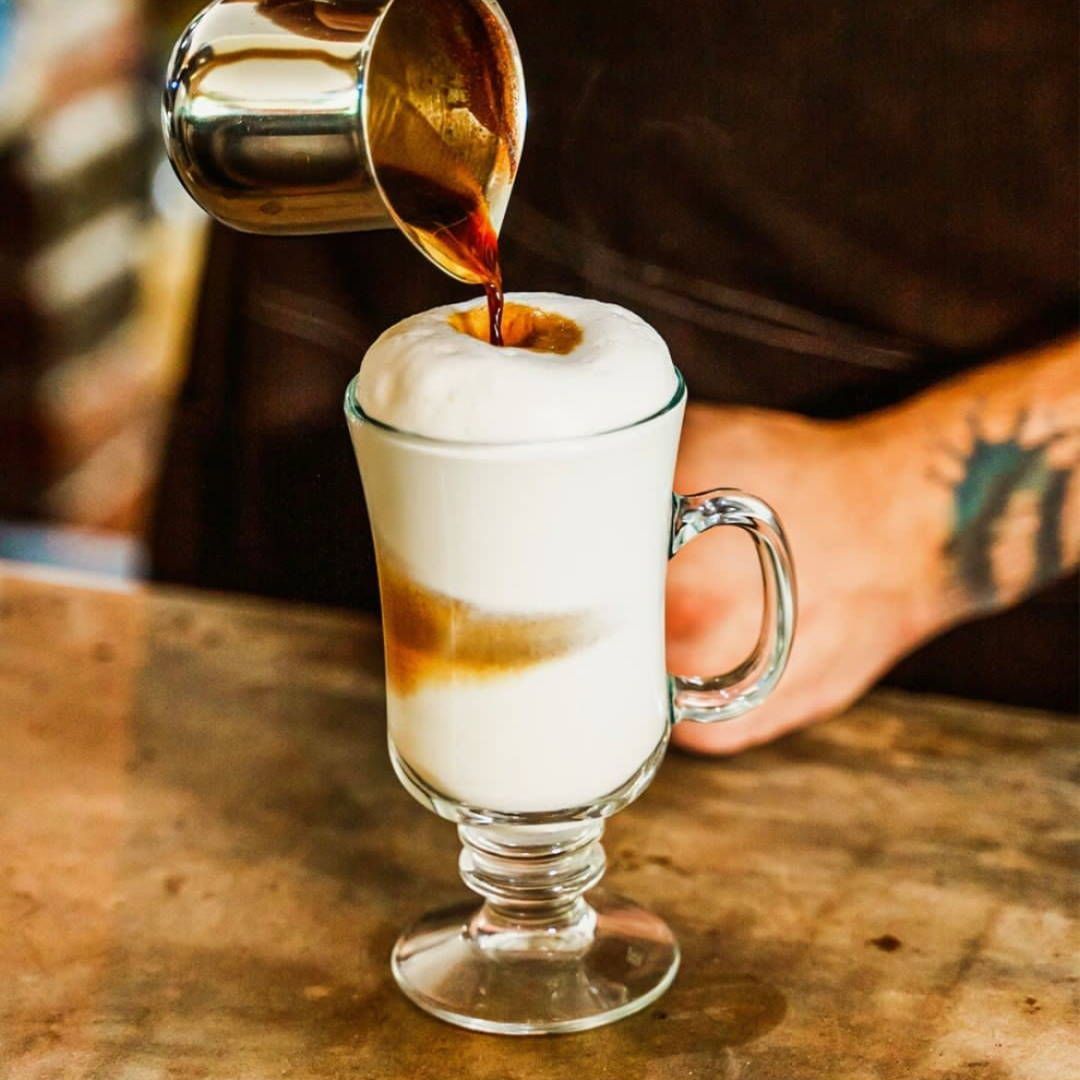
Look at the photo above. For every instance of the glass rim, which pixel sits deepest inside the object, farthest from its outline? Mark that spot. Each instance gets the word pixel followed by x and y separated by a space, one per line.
pixel 355 412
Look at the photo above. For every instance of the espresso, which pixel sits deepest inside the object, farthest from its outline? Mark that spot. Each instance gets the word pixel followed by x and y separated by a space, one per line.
pixel 496 304
pixel 454 223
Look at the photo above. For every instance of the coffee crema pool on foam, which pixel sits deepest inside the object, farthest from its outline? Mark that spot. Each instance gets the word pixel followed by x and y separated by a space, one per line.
pixel 525 654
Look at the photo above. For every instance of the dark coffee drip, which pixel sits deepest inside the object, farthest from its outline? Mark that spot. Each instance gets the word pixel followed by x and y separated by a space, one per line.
pixel 456 225
pixel 495 304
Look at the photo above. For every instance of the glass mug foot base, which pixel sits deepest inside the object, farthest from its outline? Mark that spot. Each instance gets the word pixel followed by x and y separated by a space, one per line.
pixel 469 966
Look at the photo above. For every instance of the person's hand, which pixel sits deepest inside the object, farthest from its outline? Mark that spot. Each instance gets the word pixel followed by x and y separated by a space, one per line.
pixel 863 560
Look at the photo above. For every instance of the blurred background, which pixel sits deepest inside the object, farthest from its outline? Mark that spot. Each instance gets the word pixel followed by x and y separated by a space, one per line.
pixel 100 256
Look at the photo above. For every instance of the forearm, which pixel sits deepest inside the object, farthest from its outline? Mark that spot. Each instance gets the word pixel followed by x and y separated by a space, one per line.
pixel 985 470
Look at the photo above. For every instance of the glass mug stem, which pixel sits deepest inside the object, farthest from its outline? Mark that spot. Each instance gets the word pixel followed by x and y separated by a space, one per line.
pixel 533 887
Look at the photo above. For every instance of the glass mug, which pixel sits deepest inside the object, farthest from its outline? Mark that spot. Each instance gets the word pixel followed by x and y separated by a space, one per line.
pixel 527 696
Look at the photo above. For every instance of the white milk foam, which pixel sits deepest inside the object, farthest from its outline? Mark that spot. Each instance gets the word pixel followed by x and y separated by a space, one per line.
pixel 425 377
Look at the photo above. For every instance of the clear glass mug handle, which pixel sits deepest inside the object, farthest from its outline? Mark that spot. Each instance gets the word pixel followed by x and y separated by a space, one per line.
pixel 708 699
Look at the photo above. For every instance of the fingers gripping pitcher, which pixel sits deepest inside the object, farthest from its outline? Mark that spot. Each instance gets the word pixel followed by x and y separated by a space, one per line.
pixel 517 465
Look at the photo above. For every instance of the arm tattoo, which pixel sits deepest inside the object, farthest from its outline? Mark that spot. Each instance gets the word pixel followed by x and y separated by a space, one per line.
pixel 985 483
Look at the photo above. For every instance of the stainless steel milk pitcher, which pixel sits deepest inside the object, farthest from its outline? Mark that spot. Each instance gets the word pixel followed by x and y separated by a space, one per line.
pixel 280 114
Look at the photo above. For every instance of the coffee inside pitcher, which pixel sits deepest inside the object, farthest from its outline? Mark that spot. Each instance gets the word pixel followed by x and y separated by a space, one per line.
pixel 441 168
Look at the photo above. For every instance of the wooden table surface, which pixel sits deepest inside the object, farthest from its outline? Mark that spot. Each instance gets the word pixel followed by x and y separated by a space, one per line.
pixel 205 857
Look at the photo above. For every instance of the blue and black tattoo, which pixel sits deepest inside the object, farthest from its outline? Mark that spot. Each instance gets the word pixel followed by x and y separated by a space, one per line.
pixel 991 473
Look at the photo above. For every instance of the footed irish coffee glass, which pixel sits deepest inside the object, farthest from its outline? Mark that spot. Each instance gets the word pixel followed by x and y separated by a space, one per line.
pixel 527 697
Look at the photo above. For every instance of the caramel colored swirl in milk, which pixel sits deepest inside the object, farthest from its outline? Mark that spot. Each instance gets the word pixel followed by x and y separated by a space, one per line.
pixel 432 637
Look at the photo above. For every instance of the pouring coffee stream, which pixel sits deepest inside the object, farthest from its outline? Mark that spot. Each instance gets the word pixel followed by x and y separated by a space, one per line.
pixel 455 223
